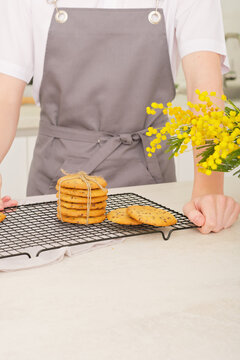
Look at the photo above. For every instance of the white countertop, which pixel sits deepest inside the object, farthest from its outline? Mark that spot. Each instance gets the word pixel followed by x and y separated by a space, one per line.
pixel 145 298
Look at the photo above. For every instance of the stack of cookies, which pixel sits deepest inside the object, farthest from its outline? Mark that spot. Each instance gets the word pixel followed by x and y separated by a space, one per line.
pixel 81 199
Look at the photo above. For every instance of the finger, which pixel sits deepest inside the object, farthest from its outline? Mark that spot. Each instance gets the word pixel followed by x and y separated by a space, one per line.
pixel 1 202
pixel 194 214
pixel 222 206
pixel 10 203
pixel 6 198
pixel 207 206
pixel 224 209
pixel 231 206
pixel 233 217
pixel 0 186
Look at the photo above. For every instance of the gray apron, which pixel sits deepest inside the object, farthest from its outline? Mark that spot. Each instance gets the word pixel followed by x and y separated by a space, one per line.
pixel 103 67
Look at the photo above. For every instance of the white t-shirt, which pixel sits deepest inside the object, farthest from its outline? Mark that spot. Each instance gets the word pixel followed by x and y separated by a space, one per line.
pixel 191 25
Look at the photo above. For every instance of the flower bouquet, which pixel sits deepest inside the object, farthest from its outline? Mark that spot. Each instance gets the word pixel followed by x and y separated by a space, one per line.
pixel 214 132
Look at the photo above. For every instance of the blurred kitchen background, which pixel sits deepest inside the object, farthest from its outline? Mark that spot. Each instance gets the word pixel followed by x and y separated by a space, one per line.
pixel 15 166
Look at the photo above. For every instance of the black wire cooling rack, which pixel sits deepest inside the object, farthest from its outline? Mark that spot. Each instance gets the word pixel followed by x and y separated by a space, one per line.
pixel 36 225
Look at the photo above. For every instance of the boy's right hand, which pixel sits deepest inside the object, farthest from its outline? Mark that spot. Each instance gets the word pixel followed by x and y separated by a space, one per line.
pixel 6 201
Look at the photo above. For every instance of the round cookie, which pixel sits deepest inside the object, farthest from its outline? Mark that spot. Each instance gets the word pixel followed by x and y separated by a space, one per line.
pixel 81 220
pixel 83 213
pixel 83 193
pixel 2 217
pixel 83 206
pixel 80 200
pixel 120 216
pixel 73 182
pixel 151 216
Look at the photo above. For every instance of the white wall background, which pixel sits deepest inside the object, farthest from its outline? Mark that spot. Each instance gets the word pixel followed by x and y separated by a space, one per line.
pixel 231 15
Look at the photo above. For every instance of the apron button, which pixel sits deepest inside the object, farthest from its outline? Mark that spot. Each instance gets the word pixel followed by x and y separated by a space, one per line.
pixel 99 141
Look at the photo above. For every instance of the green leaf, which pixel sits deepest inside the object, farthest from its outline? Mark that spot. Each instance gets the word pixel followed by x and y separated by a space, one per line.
pixel 206 153
pixel 174 145
pixel 234 106
pixel 230 163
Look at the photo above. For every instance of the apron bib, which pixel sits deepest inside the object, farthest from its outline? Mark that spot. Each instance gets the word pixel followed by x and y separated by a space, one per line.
pixel 102 69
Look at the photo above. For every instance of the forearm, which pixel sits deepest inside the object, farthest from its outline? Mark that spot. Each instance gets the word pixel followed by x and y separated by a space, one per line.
pixel 204 184
pixel 8 126
pixel 207 184
pixel 11 91
pixel 206 78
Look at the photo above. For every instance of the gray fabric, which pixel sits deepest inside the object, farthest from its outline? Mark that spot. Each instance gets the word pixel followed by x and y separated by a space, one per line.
pixel 102 69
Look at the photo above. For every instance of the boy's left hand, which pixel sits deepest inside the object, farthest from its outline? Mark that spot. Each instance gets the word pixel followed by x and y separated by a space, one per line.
pixel 212 212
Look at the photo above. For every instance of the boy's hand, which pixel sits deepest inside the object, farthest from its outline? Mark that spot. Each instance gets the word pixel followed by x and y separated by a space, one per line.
pixel 6 201
pixel 212 212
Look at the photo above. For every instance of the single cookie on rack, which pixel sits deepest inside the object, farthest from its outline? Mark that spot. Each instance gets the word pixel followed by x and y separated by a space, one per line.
pixel 76 213
pixel 81 220
pixel 74 182
pixel 82 193
pixel 80 199
pixel 2 217
pixel 151 216
pixel 120 216
pixel 83 206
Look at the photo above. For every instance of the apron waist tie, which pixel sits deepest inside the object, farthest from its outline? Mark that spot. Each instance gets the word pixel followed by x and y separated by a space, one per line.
pixel 112 142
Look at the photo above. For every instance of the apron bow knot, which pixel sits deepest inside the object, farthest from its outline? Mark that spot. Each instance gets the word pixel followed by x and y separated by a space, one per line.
pixel 109 144
pixel 128 139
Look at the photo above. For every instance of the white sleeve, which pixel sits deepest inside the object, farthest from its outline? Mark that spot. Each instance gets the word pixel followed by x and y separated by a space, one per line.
pixel 16 39
pixel 199 27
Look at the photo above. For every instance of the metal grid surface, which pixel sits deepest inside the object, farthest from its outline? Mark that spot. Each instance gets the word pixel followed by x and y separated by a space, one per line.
pixel 36 225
